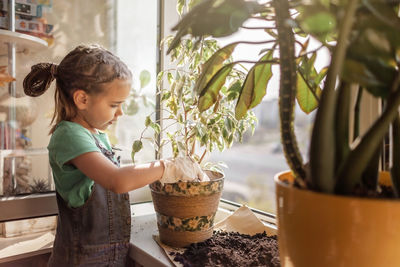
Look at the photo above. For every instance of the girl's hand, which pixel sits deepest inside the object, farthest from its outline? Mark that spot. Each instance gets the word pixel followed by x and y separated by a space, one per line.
pixel 182 169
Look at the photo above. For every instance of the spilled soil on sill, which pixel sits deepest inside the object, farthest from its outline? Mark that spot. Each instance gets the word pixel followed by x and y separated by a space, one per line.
pixel 231 249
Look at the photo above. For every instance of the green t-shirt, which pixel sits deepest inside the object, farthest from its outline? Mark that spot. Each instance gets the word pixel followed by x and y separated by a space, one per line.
pixel 68 141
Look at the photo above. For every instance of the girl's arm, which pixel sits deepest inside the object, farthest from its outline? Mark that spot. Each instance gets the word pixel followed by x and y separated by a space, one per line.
pixel 119 180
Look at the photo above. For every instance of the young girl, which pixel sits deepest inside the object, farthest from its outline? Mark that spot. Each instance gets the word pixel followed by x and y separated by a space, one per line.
pixel 94 212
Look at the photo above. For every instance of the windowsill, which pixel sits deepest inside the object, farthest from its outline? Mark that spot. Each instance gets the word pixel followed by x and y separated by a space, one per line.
pixel 15 248
pixel 144 250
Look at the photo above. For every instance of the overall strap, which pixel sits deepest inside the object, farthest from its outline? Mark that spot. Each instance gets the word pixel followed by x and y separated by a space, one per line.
pixel 109 154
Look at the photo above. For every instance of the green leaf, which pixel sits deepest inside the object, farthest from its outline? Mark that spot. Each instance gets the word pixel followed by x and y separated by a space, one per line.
pixel 245 97
pixel 303 50
pixel 160 75
pixel 170 78
pixel 234 90
pixel 136 147
pixel 384 12
pixel 204 139
pixel 144 78
pixel 262 75
pixel 147 121
pixel 213 64
pixel 156 127
pixel 210 93
pixel 132 108
pixel 254 87
pixel 318 23
pixel 179 6
pixel 166 95
pixel 305 97
pixel 356 72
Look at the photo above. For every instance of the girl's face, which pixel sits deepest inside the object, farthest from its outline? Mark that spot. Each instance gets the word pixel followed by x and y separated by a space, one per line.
pixel 103 109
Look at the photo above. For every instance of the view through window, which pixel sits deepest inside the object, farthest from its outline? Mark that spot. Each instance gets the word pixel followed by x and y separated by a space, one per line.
pixel 252 164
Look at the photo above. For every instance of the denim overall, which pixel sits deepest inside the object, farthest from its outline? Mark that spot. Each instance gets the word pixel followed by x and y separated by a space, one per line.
pixel 97 233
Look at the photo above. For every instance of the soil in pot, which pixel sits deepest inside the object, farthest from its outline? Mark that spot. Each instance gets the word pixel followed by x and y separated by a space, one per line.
pixel 231 249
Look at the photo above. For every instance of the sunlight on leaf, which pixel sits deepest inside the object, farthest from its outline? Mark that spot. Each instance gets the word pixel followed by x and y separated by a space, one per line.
pixel 210 93
pixel 254 87
pixel 262 75
pixel 212 65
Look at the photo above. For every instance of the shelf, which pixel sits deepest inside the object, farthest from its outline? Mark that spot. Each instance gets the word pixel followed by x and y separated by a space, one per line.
pixel 25 43
pixel 11 153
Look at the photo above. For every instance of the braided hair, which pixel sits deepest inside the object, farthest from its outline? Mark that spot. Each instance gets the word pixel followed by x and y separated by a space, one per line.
pixel 86 67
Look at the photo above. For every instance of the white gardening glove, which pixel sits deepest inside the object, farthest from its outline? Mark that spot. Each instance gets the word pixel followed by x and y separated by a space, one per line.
pixel 188 169
pixel 169 173
pixel 182 169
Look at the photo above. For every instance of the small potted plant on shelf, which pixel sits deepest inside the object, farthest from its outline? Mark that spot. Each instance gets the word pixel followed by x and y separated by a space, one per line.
pixel 337 209
pixel 186 210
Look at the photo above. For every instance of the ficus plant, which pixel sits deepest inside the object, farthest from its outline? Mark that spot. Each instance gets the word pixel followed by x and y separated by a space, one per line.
pixel 363 41
pixel 186 125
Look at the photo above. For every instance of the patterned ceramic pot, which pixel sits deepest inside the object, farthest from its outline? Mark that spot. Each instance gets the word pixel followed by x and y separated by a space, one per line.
pixel 185 210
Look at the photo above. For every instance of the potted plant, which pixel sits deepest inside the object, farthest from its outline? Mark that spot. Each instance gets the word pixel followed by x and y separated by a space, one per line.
pixel 185 210
pixel 331 210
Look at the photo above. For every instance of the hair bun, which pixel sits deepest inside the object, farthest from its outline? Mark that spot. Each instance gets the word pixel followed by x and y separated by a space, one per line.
pixel 39 79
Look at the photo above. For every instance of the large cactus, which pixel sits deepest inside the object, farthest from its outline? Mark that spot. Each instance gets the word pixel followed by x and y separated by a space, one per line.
pixel 288 87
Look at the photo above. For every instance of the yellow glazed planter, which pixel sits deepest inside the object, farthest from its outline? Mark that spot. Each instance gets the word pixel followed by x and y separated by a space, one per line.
pixel 322 230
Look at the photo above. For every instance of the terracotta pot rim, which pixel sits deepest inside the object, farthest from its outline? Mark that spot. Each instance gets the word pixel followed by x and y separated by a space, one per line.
pixel 278 182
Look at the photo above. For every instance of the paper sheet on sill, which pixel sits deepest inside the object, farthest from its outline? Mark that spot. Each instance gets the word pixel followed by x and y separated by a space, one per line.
pixel 243 220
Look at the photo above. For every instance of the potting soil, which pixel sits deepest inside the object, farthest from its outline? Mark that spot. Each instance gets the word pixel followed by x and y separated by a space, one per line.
pixel 231 249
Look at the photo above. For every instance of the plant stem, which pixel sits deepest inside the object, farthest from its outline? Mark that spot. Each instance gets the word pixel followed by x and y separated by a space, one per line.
pixel 202 156
pixel 287 89
pixel 193 146
pixel 342 123
pixel 395 170
pixel 349 175
pixel 356 126
pixel 322 150
pixel 186 131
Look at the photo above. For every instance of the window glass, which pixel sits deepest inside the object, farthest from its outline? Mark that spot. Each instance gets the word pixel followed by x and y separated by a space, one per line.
pixel 252 164
pixel 136 44
pixel 116 25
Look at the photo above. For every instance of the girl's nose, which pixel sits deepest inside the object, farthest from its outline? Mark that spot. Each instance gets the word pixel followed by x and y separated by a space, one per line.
pixel 119 111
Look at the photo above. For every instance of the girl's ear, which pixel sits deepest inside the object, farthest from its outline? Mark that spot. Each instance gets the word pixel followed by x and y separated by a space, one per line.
pixel 80 98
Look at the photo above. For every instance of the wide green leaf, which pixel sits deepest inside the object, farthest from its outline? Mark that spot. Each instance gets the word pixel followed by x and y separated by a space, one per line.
pixel 216 18
pixel 262 75
pixel 213 64
pixel 308 84
pixel 245 97
pixel 318 23
pixel 254 87
pixel 356 72
pixel 383 12
pixel 210 93
pixel 305 97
